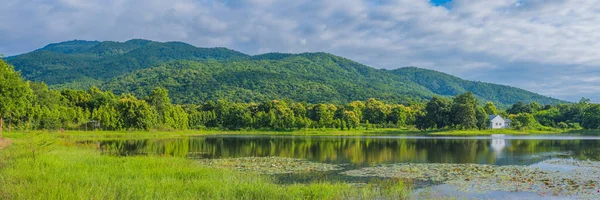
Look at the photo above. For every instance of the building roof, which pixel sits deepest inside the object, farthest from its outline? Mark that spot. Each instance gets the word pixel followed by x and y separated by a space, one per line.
pixel 491 117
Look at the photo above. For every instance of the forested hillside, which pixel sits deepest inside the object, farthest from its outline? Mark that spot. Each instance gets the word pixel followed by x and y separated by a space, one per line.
pixel 26 105
pixel 195 75
pixel 75 63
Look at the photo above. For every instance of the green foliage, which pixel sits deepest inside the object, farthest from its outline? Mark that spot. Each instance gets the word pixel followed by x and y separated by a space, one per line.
pixel 135 114
pixel 75 63
pixel 375 111
pixel 195 75
pixel 438 113
pixel 30 105
pixel 591 117
pixel 14 93
pixel 519 107
pixel 169 115
pixel 107 117
pixel 524 121
pixel 464 111
pixel 482 118
pixel 490 108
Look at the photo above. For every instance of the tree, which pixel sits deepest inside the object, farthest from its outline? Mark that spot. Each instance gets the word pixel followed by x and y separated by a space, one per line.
pixel 14 94
pixel 375 111
pixel 438 113
pixel 135 114
pixel 238 117
pixel 519 107
pixel 159 99
pixel 323 115
pixel 524 121
pixel 357 107
pixel 108 117
pixel 352 121
pixel 464 111
pixel 398 115
pixel 591 117
pixel 535 106
pixel 168 115
pixel 482 118
pixel 548 117
pixel 490 108
pixel 424 123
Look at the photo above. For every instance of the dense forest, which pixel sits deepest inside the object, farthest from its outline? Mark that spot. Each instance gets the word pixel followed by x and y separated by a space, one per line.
pixel 196 75
pixel 29 105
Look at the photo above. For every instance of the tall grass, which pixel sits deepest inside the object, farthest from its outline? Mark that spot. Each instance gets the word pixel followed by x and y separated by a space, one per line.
pixel 69 171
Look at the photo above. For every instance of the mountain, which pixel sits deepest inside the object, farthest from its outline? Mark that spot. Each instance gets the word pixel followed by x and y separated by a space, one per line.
pixel 194 74
pixel 77 62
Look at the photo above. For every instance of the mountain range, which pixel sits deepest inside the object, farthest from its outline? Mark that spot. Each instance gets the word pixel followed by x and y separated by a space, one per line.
pixel 194 75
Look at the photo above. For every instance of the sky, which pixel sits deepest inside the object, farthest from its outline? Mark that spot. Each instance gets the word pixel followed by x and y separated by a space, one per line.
pixel 551 47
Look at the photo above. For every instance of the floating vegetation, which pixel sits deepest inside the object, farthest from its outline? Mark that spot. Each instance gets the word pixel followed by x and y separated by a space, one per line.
pixel 475 178
pixel 270 165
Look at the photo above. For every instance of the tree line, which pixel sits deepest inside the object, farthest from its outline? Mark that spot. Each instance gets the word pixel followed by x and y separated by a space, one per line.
pixel 29 105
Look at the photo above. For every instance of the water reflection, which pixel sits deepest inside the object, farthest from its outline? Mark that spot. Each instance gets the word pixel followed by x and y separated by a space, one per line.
pixel 362 151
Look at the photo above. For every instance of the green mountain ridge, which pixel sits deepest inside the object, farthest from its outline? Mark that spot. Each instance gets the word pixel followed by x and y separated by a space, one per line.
pixel 194 74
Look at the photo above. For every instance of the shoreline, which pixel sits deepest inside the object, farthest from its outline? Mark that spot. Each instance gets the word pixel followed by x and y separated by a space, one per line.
pixel 76 134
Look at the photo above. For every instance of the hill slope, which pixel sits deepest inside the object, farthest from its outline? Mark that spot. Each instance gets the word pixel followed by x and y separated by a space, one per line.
pixel 198 74
pixel 75 63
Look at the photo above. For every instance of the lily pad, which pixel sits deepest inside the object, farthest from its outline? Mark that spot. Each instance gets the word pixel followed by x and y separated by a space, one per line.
pixel 270 165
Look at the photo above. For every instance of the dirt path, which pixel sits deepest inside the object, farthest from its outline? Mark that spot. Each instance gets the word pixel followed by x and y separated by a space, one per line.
pixel 4 143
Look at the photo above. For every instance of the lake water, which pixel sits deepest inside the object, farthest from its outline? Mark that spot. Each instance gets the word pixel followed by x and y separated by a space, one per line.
pixel 368 150
pixel 383 153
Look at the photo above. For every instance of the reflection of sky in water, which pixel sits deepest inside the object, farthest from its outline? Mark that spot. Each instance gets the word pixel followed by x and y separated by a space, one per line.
pixel 446 191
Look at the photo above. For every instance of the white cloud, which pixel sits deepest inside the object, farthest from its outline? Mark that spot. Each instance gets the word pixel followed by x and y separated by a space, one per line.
pixel 523 43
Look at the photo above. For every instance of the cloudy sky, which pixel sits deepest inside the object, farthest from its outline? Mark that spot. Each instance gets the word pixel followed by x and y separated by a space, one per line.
pixel 551 47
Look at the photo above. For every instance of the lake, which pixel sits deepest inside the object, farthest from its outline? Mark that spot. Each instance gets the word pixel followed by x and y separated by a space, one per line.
pixel 368 150
pixel 482 167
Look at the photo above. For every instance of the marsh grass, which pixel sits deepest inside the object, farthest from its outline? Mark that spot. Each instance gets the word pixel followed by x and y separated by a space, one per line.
pixel 75 171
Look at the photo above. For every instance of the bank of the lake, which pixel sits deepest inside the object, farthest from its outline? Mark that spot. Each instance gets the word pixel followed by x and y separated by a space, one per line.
pixel 51 166
pixel 98 134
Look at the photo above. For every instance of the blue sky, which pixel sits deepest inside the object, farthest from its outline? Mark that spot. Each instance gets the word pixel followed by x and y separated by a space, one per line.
pixel 549 47
pixel 439 2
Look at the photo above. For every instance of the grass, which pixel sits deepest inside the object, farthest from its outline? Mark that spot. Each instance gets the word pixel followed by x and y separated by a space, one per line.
pixel 4 143
pixel 60 169
pixel 315 132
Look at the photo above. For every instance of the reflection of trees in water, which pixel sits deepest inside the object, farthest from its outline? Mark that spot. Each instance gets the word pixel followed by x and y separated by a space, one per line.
pixel 361 151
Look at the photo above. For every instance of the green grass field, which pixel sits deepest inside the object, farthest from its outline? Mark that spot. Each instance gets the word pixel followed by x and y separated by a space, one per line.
pixel 48 166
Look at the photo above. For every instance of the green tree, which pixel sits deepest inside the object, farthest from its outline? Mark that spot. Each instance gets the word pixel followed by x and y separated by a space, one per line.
pixel 464 111
pixel 135 114
pixel 375 111
pixel 351 119
pixel 108 117
pixel 438 113
pixel 490 108
pixel 423 123
pixel 284 116
pixel 482 118
pixel 524 121
pixel 159 99
pixel 398 115
pixel 14 94
pixel 519 107
pixel 591 117
pixel 323 114
pixel 238 117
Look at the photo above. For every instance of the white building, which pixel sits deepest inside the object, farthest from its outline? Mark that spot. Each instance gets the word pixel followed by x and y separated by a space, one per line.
pixel 497 122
